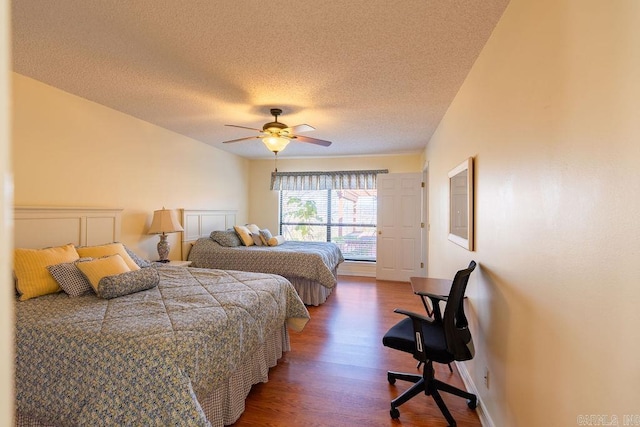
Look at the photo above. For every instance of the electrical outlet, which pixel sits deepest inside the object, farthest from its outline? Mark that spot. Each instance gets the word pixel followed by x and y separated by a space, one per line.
pixel 486 377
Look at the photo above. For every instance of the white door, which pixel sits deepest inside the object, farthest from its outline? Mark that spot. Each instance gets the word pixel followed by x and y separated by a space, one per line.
pixel 399 229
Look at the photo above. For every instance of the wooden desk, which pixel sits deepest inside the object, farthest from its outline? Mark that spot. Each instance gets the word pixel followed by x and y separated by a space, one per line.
pixel 425 286
pixel 429 287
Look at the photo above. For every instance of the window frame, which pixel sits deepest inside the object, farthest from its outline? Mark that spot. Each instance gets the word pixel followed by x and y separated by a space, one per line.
pixel 329 224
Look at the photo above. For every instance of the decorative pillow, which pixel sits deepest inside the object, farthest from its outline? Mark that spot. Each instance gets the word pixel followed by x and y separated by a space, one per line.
pixel 256 239
pixel 227 238
pixel 109 249
pixel 276 240
pixel 253 229
pixel 70 279
pixel 96 269
pixel 30 268
pixel 265 235
pixel 142 263
pixel 128 283
pixel 244 234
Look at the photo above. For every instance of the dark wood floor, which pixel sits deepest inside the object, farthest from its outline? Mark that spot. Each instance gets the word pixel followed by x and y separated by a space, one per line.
pixel 335 374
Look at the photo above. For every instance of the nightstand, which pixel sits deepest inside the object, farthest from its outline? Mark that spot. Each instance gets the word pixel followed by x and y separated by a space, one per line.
pixel 178 263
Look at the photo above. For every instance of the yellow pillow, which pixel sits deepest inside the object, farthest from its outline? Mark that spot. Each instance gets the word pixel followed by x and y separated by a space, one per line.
pixel 276 240
pixel 110 249
pixel 244 234
pixel 96 269
pixel 30 267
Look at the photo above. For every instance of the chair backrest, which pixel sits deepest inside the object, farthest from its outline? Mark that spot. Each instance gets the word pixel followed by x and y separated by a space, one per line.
pixel 456 327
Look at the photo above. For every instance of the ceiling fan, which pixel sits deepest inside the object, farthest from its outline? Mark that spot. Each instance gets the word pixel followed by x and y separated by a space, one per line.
pixel 277 135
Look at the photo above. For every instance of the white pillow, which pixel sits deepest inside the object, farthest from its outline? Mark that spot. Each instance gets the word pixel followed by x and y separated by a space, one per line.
pixel 253 229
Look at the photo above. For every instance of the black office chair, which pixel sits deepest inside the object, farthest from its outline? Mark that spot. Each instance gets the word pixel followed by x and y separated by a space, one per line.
pixel 440 339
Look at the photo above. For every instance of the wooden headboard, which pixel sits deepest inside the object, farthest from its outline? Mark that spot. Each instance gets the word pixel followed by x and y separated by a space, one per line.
pixel 41 226
pixel 200 223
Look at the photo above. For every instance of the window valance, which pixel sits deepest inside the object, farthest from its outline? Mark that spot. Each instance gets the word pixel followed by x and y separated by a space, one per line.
pixel 337 180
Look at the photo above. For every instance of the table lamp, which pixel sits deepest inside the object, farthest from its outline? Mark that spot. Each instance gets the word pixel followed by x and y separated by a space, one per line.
pixel 164 221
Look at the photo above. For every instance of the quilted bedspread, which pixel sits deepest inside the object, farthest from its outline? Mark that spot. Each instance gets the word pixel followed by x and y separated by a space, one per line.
pixel 141 359
pixel 309 260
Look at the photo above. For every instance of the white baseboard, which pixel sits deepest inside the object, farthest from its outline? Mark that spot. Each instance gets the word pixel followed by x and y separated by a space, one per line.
pixel 481 409
pixel 356 268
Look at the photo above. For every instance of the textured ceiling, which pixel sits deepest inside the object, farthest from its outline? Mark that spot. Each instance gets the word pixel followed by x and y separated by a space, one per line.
pixel 374 77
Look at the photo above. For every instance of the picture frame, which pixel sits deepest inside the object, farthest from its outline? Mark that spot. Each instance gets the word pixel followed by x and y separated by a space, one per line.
pixel 461 196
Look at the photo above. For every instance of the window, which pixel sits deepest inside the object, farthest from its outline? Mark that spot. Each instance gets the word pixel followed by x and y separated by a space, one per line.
pixel 344 217
pixel 337 206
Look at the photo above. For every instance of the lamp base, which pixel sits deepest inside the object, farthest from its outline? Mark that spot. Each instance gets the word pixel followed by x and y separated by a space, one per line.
pixel 163 248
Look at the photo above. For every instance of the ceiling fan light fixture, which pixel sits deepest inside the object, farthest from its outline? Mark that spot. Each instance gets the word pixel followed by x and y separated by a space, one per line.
pixel 276 135
pixel 275 143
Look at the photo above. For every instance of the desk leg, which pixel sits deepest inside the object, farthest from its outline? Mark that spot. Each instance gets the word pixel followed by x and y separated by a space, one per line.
pixel 426 306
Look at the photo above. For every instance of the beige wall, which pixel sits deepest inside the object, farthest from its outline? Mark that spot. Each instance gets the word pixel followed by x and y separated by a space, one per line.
pixel 6 233
pixel 550 111
pixel 263 206
pixel 68 151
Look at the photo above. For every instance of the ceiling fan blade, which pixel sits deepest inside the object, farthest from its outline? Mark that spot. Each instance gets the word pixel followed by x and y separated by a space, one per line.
pixel 313 140
pixel 301 128
pixel 241 139
pixel 244 127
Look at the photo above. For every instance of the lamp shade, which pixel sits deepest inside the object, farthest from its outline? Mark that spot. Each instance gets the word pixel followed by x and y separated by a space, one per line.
pixel 164 221
pixel 275 143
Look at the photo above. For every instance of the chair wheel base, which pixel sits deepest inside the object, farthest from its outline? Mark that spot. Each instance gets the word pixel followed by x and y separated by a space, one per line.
pixel 395 414
pixel 391 378
pixel 472 403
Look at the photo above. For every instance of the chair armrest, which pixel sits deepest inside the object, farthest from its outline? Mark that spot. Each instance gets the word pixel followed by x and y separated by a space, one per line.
pixel 417 320
pixel 413 315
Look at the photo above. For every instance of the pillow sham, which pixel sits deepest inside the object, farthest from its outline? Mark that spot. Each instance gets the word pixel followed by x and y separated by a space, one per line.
pixel 276 240
pixel 30 269
pixel 127 283
pixel 108 249
pixel 140 262
pixel 96 269
pixel 227 238
pixel 244 234
pixel 265 235
pixel 70 278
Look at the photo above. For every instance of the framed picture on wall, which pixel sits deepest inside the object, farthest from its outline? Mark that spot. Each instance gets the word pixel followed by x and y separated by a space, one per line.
pixel 461 204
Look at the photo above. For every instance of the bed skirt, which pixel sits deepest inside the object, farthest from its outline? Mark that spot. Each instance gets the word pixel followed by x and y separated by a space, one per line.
pixel 225 404
pixel 312 292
